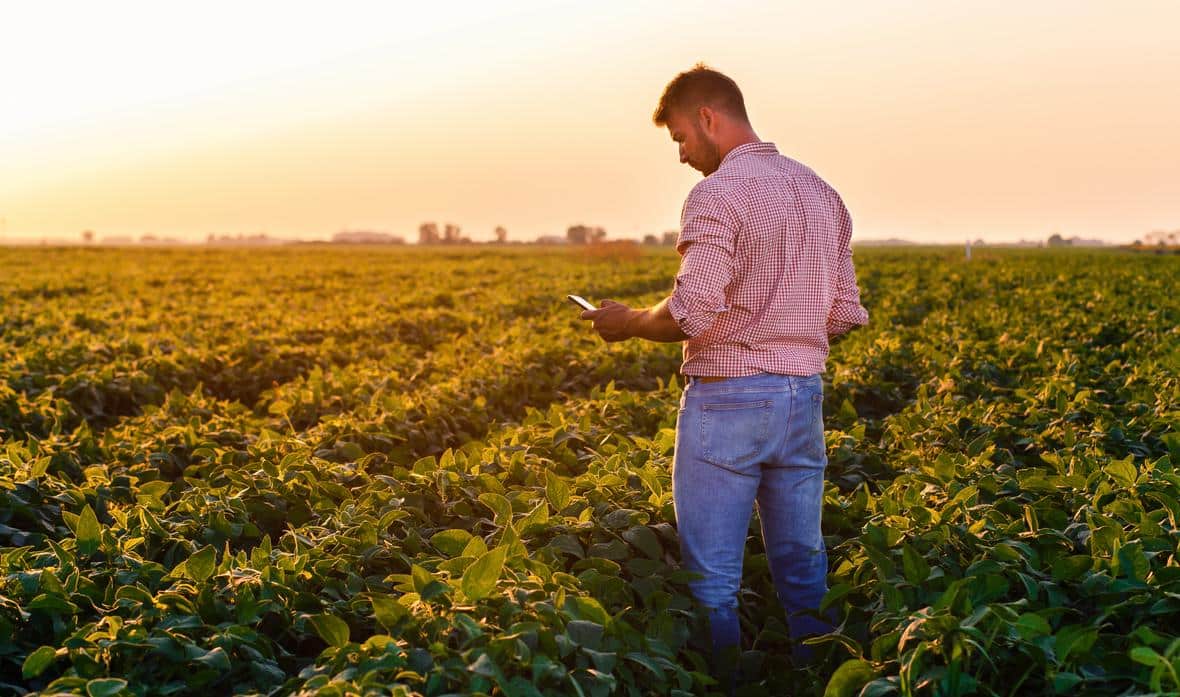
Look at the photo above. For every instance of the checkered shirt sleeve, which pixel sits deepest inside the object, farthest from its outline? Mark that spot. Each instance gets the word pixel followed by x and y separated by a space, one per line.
pixel 847 312
pixel 708 232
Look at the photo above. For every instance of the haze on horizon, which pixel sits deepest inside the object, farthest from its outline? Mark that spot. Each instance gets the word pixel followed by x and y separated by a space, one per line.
pixel 937 122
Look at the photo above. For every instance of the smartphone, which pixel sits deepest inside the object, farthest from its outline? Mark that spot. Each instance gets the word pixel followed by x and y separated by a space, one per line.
pixel 581 302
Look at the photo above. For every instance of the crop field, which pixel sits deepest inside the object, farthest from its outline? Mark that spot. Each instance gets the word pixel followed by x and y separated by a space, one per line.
pixel 396 471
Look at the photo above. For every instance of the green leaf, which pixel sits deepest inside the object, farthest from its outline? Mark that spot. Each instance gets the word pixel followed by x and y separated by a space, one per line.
pixel 451 542
pixel 645 540
pixel 378 642
pixel 485 667
pixel 1072 639
pixel 557 491
pixel 154 489
pixel 1122 471
pixel 36 662
pixel 500 505
pixel 480 578
pixel 585 633
pixel 89 533
pixel 1147 656
pixel 645 661
pixel 421 578
pixel 215 659
pixel 1065 683
pixel 51 602
pixel 387 610
pixel 16 454
pixel 475 547
pixel 834 595
pixel 1172 440
pixel 622 518
pixel 331 629
pixel 586 609
pixel 350 451
pixel 913 565
pixel 1071 567
pixel 39 467
pixel 105 687
pixel 201 565
pixel 538 516
pixel 944 467
pixel 1031 625
pixel 849 678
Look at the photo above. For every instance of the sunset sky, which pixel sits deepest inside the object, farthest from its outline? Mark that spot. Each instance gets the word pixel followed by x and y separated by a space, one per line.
pixel 936 121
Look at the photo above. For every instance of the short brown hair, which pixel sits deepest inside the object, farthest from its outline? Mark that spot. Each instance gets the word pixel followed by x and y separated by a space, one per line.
pixel 701 86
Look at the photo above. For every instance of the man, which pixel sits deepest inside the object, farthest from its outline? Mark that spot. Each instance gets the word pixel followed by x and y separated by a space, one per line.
pixel 765 279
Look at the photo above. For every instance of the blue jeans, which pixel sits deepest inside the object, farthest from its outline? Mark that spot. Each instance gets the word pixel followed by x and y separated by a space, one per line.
pixel 740 441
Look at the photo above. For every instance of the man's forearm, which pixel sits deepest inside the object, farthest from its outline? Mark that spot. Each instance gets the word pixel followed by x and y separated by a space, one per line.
pixel 655 324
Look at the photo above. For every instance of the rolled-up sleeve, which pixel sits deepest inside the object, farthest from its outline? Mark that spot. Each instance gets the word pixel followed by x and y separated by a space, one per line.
pixel 847 313
pixel 708 235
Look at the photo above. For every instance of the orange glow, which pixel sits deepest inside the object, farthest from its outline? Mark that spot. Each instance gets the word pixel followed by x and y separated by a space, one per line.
pixel 936 121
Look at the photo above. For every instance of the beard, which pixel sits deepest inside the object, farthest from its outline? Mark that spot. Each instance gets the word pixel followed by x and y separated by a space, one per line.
pixel 711 152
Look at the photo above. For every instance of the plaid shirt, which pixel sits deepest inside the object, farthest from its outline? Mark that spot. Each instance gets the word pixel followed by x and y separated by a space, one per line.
pixel 766 272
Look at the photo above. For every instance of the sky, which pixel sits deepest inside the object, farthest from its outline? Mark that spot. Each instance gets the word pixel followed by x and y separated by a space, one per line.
pixel 937 122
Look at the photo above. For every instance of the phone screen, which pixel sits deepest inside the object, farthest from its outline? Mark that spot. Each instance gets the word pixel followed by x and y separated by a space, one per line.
pixel 581 302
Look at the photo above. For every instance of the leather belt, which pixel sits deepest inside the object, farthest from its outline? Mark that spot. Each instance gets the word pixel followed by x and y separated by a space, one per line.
pixel 709 378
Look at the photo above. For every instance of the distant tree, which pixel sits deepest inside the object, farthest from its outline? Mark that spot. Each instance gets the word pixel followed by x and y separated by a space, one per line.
pixel 1160 237
pixel 88 236
pixel 577 234
pixel 501 234
pixel 670 237
pixel 1056 240
pixel 451 234
pixel 651 239
pixel 428 233
pixel 584 234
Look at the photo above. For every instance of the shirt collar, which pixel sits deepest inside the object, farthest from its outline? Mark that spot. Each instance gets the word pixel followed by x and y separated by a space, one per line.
pixel 758 147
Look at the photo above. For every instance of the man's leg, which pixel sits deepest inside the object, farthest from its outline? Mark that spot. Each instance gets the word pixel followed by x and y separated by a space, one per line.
pixel 790 506
pixel 713 508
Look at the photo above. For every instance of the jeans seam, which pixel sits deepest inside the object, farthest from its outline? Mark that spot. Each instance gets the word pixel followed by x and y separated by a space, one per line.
pixel 817 409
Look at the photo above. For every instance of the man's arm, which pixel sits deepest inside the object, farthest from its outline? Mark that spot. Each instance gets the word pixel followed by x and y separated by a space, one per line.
pixel 708 231
pixel 617 322
pixel 847 313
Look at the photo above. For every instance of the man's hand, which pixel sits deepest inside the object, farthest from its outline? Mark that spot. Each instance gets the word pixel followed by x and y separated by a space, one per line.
pixel 616 322
pixel 611 320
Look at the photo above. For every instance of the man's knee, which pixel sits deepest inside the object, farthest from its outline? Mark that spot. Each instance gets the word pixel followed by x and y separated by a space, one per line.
pixel 798 563
pixel 716 591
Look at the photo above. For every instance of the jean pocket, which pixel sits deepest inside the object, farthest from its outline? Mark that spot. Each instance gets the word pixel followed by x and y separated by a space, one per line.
pixel 733 434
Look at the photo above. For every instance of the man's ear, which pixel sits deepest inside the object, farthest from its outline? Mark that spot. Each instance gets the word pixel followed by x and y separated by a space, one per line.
pixel 708 118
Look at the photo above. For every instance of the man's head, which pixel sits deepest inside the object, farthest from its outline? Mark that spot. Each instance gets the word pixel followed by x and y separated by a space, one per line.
pixel 706 115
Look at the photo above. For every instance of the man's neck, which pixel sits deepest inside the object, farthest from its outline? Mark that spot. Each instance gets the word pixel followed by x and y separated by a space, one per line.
pixel 741 137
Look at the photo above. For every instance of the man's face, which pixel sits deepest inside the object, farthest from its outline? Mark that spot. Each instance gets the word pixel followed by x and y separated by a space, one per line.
pixel 696 148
